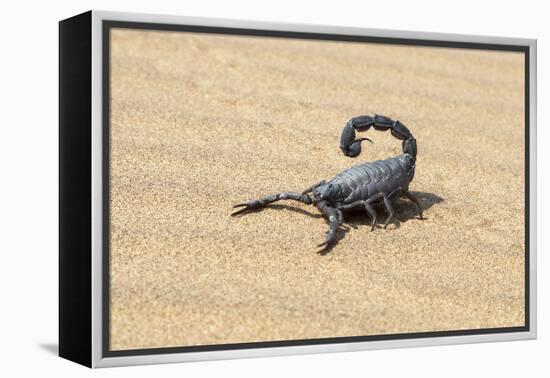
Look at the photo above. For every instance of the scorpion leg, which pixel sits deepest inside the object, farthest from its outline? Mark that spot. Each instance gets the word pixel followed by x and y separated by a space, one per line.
pixel 370 210
pixel 260 203
pixel 312 187
pixel 372 213
pixel 335 219
pixel 351 205
pixel 414 200
pixel 389 209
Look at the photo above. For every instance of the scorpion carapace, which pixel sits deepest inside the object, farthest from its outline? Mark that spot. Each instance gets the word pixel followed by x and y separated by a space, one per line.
pixel 361 186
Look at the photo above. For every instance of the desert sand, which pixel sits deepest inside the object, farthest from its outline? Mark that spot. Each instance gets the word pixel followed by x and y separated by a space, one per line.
pixel 202 122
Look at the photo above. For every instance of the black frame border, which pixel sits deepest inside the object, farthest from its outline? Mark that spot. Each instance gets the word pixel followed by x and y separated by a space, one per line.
pixel 75 195
pixel 107 25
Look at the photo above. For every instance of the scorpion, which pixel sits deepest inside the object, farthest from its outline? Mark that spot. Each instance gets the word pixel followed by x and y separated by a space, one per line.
pixel 361 186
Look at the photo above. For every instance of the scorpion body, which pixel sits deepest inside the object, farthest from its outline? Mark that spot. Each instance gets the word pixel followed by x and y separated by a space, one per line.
pixel 361 186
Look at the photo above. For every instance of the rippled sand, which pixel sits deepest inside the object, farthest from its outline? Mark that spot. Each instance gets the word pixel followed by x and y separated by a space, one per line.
pixel 201 122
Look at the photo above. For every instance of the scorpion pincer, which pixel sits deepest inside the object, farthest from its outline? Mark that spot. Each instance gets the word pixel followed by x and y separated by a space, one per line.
pixel 361 186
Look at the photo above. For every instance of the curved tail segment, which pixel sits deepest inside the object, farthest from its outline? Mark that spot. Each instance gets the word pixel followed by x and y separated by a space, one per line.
pixel 351 147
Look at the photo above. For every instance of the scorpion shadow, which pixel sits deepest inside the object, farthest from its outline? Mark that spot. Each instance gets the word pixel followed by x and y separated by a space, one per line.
pixel 354 219
pixel 404 211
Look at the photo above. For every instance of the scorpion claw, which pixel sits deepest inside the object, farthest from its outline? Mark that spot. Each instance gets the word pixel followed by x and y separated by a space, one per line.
pixel 238 211
pixel 323 244
pixel 246 206
pixel 331 238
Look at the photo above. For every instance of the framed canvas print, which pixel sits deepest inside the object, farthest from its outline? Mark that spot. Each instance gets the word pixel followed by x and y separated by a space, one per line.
pixel 236 189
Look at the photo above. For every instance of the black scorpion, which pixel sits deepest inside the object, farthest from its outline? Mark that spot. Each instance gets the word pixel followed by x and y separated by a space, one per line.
pixel 363 185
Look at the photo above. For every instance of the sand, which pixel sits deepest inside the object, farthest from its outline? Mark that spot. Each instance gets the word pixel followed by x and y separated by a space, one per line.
pixel 202 122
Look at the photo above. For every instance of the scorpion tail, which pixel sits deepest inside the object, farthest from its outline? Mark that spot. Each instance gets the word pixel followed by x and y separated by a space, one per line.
pixel 352 147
